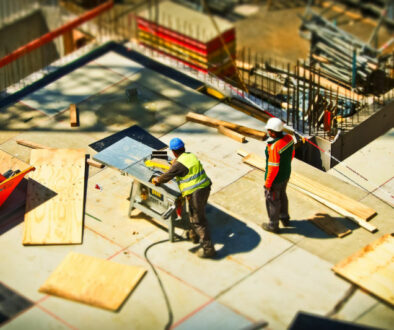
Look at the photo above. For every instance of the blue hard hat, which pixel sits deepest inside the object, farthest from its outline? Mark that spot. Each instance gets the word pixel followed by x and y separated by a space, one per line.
pixel 176 144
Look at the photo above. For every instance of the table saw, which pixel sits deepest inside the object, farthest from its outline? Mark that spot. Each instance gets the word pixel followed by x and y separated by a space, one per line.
pixel 134 159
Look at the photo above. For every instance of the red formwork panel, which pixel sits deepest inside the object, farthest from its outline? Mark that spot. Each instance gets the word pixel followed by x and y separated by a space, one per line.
pixel 219 61
pixel 7 186
pixel 203 58
pixel 225 70
pixel 184 40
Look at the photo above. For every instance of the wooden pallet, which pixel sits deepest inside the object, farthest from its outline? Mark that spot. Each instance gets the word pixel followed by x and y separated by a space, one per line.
pixel 372 268
pixel 93 281
pixel 55 197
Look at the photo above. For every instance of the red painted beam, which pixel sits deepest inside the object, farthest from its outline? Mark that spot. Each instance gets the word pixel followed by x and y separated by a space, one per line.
pixel 55 33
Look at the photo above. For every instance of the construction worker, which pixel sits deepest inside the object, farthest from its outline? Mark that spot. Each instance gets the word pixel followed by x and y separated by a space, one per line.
pixel 195 186
pixel 279 154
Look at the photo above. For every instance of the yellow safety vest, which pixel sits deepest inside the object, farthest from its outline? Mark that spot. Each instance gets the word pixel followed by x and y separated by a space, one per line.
pixel 196 178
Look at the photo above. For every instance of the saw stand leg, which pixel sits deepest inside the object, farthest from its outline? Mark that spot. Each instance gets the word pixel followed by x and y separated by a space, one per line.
pixel 133 191
pixel 171 226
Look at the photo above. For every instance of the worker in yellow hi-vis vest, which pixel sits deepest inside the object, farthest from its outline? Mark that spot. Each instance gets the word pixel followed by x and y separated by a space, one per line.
pixel 196 187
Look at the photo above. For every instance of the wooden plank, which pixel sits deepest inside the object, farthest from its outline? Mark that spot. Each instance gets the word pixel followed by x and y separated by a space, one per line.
pixel 55 197
pixel 93 281
pixel 212 122
pixel 349 204
pixel 34 145
pixel 317 191
pixel 358 209
pixel 231 134
pixel 372 268
pixel 362 223
pixel 74 122
pixel 330 225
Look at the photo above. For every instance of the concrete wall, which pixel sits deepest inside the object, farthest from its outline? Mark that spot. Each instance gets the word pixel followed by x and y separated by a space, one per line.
pixel 347 144
pixel 18 34
pixel 376 125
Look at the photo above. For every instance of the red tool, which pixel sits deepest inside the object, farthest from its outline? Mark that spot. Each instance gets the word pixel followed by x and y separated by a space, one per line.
pixel 7 186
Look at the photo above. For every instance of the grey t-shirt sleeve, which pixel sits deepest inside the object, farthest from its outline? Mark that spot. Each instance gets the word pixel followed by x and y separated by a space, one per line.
pixel 177 169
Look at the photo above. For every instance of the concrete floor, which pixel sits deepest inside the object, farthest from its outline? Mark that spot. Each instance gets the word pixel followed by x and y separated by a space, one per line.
pixel 256 276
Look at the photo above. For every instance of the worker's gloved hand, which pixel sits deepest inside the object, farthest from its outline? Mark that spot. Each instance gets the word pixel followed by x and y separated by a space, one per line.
pixel 155 181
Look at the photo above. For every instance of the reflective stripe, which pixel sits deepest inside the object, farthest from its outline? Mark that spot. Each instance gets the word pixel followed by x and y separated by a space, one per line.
pixel 196 185
pixel 273 164
pixel 195 176
pixel 286 147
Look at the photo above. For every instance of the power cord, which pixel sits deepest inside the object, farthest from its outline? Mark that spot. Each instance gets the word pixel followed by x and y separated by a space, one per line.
pixel 170 314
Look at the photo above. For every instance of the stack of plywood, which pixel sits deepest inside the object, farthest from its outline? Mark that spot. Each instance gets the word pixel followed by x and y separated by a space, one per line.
pixel 189 36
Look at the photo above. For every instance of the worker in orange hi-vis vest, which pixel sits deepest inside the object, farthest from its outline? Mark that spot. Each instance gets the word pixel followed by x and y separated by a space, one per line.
pixel 279 154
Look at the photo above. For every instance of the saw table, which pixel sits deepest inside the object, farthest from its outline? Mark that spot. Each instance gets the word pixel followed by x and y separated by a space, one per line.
pixel 159 202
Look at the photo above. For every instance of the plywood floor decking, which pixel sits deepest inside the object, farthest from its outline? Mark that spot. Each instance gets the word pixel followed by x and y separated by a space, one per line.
pixel 55 197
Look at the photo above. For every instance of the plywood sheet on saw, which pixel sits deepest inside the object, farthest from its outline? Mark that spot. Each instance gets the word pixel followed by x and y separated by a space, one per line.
pixel 372 268
pixel 55 197
pixel 93 281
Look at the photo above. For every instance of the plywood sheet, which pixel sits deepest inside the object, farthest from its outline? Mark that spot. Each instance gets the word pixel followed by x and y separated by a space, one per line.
pixel 55 197
pixel 93 281
pixel 372 268
pixel 330 225
pixel 9 162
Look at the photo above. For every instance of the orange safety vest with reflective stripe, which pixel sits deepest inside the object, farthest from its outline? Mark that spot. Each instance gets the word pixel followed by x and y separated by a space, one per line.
pixel 279 154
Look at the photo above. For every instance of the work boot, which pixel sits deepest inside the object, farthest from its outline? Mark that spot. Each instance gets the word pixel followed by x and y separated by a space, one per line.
pixel 206 253
pixel 270 228
pixel 285 222
pixel 192 236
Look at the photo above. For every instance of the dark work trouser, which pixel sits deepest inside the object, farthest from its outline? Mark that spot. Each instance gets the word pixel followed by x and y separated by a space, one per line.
pixel 197 203
pixel 277 203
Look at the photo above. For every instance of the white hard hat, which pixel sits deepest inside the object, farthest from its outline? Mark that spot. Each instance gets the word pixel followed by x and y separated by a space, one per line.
pixel 274 124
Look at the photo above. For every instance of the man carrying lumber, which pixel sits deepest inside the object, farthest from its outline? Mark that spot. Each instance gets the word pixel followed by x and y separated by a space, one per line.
pixel 279 154
pixel 195 187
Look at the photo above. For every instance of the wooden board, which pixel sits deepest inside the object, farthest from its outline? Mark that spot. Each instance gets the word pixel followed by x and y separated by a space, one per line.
pixel 362 223
pixel 55 197
pixel 372 268
pixel 74 122
pixel 330 225
pixel 325 195
pixel 349 204
pixel 212 122
pixel 93 281
pixel 40 146
pixel 231 134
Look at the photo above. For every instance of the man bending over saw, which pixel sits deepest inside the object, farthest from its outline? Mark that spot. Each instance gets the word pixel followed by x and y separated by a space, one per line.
pixel 196 187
